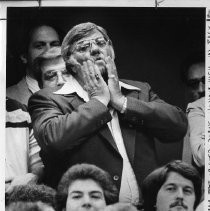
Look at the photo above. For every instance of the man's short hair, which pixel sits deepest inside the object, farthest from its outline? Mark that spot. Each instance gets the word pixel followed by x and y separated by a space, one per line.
pixel 78 32
pixel 49 55
pixel 83 172
pixel 154 181
pixel 194 58
pixel 33 193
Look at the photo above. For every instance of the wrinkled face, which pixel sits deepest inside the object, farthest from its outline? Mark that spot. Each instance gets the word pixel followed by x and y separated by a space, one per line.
pixel 176 194
pixel 93 47
pixel 196 81
pixel 54 73
pixel 42 39
pixel 85 195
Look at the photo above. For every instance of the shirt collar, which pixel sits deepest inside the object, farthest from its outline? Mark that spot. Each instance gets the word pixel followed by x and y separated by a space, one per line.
pixel 72 86
pixel 32 84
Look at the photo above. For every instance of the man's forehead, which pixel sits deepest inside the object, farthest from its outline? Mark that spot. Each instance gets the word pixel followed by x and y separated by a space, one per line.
pixel 177 179
pixel 57 63
pixel 44 33
pixel 84 185
pixel 196 70
pixel 92 35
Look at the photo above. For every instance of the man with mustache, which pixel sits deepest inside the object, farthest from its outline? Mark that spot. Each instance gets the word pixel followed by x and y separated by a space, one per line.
pixel 173 187
pixel 98 119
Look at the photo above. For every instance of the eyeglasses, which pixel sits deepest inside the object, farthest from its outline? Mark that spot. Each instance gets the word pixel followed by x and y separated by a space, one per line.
pixel 86 45
pixel 194 83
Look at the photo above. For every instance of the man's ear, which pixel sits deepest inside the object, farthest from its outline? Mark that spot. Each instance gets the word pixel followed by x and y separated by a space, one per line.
pixel 111 52
pixel 23 59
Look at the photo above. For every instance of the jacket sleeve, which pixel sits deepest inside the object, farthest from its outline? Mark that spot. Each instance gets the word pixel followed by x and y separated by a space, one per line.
pixel 60 130
pixel 196 118
pixel 166 122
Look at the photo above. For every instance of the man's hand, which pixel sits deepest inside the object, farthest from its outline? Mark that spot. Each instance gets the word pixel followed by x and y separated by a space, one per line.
pixel 116 97
pixel 89 77
pixel 94 83
pixel 21 180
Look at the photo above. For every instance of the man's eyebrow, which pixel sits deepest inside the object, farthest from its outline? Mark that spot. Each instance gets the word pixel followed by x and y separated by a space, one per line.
pixel 96 191
pixel 75 191
pixel 174 184
pixel 169 184
pixel 39 42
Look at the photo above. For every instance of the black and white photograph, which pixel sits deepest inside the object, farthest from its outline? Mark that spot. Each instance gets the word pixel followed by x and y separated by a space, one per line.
pixel 104 106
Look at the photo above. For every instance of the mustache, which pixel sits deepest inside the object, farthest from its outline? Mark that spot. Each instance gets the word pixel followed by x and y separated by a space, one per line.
pixel 178 203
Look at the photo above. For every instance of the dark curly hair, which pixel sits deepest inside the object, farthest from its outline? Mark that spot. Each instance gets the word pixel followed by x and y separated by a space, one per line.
pixel 83 172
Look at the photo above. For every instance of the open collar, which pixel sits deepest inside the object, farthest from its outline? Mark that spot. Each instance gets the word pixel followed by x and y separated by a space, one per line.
pixel 73 86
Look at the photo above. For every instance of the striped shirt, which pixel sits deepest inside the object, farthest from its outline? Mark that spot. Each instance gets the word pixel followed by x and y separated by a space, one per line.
pixel 21 148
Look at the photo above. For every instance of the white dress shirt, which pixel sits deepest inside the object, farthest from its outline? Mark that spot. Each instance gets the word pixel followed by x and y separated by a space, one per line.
pixel 129 191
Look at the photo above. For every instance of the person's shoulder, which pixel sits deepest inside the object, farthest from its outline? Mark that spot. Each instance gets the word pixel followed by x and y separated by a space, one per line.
pixel 19 92
pixel 12 104
pixel 200 103
pixel 17 86
pixel 16 114
pixel 45 93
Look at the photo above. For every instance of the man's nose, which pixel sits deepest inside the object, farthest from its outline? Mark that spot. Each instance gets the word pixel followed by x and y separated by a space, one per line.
pixel 86 202
pixel 47 46
pixel 94 49
pixel 180 193
pixel 60 80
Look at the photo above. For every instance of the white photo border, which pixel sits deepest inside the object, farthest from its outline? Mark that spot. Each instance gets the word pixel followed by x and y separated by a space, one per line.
pixel 101 3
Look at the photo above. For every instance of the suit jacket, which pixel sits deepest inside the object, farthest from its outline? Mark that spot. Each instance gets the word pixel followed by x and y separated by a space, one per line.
pixel 71 131
pixel 19 92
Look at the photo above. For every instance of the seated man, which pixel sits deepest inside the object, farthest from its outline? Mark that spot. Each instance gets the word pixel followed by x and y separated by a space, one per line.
pixel 50 69
pixel 175 186
pixel 95 118
pixel 23 164
pixel 86 187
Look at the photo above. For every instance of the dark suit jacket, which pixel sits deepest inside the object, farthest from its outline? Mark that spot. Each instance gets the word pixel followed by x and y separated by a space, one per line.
pixel 71 131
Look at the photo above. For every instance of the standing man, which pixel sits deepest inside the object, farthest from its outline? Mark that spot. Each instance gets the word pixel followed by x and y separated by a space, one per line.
pixel 193 75
pixel 40 38
pixel 97 119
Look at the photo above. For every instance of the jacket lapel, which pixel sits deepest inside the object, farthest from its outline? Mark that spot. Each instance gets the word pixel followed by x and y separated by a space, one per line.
pixel 104 132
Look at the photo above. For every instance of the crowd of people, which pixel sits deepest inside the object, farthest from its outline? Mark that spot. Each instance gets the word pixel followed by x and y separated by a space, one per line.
pixel 80 138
